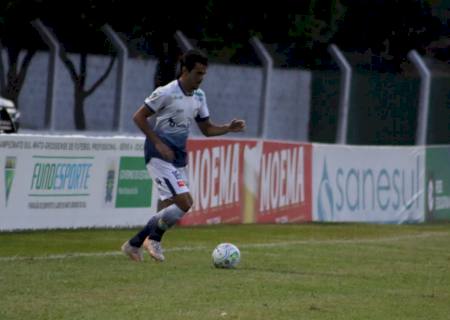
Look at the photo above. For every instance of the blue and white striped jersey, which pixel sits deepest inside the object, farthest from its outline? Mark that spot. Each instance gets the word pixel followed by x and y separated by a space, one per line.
pixel 175 112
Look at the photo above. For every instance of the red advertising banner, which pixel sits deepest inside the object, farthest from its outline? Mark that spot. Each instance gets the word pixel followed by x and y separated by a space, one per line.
pixel 215 181
pixel 249 181
pixel 284 189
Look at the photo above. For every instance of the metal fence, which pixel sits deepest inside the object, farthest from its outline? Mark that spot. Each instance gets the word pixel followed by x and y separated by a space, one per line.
pixel 348 106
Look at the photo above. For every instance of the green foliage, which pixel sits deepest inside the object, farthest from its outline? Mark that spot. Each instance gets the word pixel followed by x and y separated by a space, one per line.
pixel 300 29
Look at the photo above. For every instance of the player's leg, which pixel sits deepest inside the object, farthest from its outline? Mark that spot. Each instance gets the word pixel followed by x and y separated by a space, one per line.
pixel 160 223
pixel 163 221
pixel 170 215
pixel 175 199
pixel 174 194
pixel 163 204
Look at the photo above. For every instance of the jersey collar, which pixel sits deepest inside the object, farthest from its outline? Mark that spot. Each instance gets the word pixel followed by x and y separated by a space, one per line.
pixel 182 90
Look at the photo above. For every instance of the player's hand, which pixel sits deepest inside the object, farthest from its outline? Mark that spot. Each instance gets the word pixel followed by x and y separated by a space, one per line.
pixel 165 151
pixel 236 125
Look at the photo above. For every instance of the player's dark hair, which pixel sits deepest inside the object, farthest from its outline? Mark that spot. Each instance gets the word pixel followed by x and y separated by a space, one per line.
pixel 191 57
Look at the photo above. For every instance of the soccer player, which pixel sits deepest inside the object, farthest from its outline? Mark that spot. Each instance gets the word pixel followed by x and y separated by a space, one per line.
pixel 175 106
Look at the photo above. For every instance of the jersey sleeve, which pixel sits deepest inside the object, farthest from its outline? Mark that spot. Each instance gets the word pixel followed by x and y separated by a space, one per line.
pixel 203 112
pixel 157 100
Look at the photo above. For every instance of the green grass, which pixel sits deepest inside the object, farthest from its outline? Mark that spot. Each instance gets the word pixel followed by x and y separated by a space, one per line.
pixel 311 271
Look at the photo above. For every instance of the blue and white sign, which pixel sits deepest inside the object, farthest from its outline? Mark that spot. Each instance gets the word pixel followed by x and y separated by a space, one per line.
pixel 368 183
pixel 49 181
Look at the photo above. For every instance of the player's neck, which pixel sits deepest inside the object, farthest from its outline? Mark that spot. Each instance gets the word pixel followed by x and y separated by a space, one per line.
pixel 184 84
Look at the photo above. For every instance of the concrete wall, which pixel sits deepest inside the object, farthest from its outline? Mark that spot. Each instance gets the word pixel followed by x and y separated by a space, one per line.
pixel 32 98
pixel 232 92
pixel 289 105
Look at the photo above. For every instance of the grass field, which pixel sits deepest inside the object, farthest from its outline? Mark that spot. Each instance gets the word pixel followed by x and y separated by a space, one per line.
pixel 311 271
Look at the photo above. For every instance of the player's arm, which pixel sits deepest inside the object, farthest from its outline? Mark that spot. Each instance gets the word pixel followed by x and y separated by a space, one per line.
pixel 210 129
pixel 140 119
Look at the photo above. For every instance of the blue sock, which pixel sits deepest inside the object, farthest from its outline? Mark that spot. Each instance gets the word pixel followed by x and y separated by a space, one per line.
pixel 148 230
pixel 158 225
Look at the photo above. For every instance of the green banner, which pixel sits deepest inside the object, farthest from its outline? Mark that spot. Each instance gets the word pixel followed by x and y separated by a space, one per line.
pixel 134 186
pixel 437 183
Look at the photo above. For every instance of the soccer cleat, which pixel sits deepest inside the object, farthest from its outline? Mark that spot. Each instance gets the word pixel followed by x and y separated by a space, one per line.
pixel 134 253
pixel 154 249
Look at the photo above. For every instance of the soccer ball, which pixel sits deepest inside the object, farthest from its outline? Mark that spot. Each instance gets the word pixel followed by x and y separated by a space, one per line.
pixel 226 255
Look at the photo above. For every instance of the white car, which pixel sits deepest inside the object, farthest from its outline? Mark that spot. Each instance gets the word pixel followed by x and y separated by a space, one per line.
pixel 9 116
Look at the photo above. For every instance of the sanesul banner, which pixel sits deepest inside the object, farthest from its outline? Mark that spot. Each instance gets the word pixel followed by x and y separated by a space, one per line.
pixel 368 184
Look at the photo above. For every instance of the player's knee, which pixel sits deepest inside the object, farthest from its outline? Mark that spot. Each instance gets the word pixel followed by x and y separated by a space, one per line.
pixel 184 201
pixel 185 206
pixel 170 216
pixel 163 204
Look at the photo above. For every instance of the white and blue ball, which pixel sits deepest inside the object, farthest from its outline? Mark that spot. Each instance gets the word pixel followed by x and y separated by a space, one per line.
pixel 226 255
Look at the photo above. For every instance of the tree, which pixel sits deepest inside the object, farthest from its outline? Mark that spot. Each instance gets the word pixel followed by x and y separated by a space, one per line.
pixel 387 30
pixel 12 79
pixel 79 80
pixel 15 16
pixel 78 32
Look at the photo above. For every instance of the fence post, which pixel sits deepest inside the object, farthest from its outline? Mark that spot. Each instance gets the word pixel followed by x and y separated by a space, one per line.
pixel 424 98
pixel 183 41
pixel 344 94
pixel 52 78
pixel 121 47
pixel 267 62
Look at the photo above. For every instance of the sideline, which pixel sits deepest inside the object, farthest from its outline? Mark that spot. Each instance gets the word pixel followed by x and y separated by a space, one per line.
pixel 243 246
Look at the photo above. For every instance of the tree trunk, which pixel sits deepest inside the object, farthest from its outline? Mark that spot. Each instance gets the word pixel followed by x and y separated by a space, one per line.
pixel 16 73
pixel 80 122
pixel 79 81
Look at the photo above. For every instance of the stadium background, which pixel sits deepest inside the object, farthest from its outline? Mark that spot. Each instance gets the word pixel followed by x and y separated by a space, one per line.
pixel 68 172
pixel 102 70
pixel 305 82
